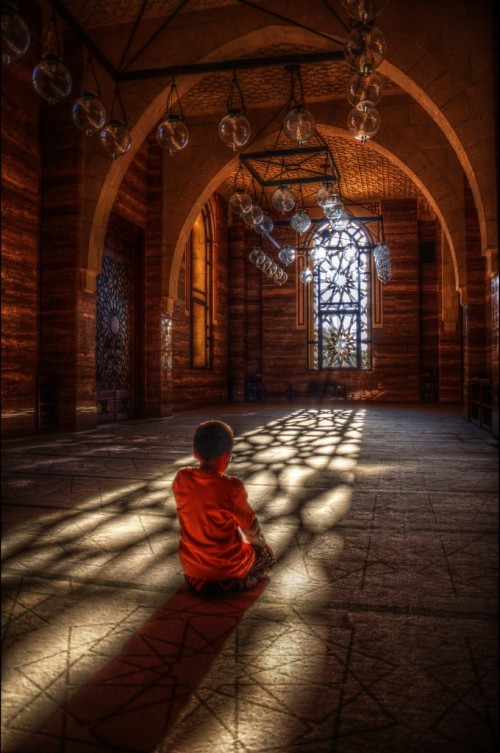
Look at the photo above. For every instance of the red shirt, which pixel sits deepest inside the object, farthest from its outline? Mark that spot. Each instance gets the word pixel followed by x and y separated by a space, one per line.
pixel 211 507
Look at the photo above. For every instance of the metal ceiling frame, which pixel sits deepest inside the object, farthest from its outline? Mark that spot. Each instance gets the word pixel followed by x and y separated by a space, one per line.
pixel 122 75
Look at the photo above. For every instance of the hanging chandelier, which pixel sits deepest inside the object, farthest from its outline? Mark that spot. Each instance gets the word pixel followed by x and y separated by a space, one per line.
pixel 364 50
pixel 115 137
pixel 15 34
pixel 51 79
pixel 234 128
pixel 299 124
pixel 266 225
pixel 88 112
pixel 283 199
pixel 382 259
pixel 301 222
pixel 172 133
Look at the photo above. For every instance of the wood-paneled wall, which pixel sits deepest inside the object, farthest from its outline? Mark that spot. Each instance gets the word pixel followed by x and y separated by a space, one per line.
pixel 20 233
pixel 199 387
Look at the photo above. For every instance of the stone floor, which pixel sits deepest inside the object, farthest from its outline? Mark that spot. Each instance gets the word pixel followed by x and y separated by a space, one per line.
pixel 377 630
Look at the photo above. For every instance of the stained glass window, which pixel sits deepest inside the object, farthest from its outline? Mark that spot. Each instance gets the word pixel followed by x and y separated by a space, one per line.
pixel 339 298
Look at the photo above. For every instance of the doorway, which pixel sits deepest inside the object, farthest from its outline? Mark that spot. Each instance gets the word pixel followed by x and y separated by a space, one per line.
pixel 118 340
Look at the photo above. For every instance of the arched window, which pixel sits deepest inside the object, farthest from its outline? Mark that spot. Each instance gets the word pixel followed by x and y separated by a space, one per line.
pixel 201 280
pixel 339 324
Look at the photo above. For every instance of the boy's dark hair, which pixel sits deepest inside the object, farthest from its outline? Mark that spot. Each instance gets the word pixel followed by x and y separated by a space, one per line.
pixel 212 439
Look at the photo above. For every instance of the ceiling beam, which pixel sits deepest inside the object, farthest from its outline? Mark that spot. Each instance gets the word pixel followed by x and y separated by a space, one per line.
pixel 230 65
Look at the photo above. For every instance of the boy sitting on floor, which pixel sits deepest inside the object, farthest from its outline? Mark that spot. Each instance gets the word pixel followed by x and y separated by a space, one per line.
pixel 221 547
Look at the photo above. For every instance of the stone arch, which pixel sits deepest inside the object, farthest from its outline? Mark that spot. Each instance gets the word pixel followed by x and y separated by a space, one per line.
pixel 211 171
pixel 97 204
pixel 487 229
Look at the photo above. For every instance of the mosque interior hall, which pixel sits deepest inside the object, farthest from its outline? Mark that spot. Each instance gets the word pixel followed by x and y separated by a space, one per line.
pixel 282 215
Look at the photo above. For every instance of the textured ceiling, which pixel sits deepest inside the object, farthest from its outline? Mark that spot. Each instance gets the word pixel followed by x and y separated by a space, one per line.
pixel 264 86
pixel 365 174
pixel 96 13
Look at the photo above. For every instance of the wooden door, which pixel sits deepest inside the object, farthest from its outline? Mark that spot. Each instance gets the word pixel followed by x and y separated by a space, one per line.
pixel 117 341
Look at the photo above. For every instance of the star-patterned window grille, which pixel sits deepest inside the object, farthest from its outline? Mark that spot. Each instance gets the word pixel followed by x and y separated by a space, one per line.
pixel 339 321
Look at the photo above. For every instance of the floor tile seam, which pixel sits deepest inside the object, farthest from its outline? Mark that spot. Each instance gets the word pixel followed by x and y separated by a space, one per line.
pixel 7 475
pixel 386 609
pixel 111 507
pixel 408 532
pixel 97 456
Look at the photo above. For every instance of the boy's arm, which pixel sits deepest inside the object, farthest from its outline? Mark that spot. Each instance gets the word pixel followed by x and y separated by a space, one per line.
pixel 254 534
pixel 255 537
pixel 247 520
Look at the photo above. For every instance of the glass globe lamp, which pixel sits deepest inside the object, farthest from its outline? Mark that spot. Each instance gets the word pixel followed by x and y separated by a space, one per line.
pixel 254 215
pixel 272 270
pixel 335 213
pixel 282 277
pixel 255 254
pixel 265 266
pixel 234 129
pixel 365 90
pixel 265 225
pixel 240 201
pixel 365 49
pixel 382 258
pixel 306 276
pixel 326 196
pixel 115 138
pixel 172 134
pixel 287 255
pixel 299 124
pixel 15 34
pixel 283 199
pixel 339 224
pixel 363 124
pixel 364 10
pixel 301 222
pixel 88 113
pixel 51 79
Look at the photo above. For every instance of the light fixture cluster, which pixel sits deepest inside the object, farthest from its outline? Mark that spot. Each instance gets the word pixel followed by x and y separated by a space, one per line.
pixel 364 50
pixel 53 83
pixel 269 267
pixel 328 197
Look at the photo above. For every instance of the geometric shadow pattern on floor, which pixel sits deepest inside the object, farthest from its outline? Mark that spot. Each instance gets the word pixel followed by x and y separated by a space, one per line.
pixel 377 630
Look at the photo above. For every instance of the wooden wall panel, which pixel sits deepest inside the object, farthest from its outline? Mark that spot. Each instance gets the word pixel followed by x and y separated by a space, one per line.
pixel 238 347
pixel 20 235
pixel 59 282
pixel 131 202
pixel 429 268
pixel 197 387
pixel 157 394
pixel 476 334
